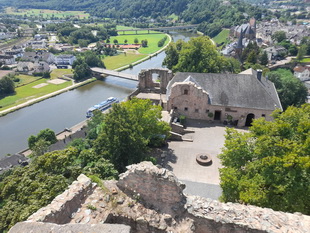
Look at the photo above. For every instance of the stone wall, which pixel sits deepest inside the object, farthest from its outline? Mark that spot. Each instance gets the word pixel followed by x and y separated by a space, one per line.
pixel 195 105
pixel 62 207
pixel 146 79
pixel 37 227
pixel 155 203
pixel 213 216
pixel 157 187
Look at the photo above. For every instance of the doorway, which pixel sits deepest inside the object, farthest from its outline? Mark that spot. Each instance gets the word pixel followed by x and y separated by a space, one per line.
pixel 249 119
pixel 217 115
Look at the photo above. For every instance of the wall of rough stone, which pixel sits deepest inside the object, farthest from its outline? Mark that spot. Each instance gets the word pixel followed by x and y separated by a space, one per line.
pixel 62 207
pixel 159 191
pixel 195 105
pixel 160 188
pixel 156 187
pixel 38 227
pixel 146 79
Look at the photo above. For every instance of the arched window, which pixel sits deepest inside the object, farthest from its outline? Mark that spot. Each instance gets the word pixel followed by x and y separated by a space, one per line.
pixel 185 92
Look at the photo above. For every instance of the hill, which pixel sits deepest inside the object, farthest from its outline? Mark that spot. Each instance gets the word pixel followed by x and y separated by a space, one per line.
pixel 213 14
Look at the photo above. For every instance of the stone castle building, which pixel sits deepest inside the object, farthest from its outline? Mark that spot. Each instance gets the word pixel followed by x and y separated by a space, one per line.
pixel 235 98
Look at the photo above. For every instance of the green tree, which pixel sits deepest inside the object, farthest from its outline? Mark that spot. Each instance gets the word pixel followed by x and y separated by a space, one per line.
pixel 81 71
pixel 46 75
pixel 40 147
pixel 290 89
pixel 200 55
pixel 252 57
pixel 136 41
pixel 302 51
pixel 172 56
pixel 279 36
pixel 264 59
pixel 7 86
pixel 125 41
pixel 115 41
pixel 144 43
pixel 47 135
pixel 270 165
pixel 93 60
pixel 127 131
pixel 83 43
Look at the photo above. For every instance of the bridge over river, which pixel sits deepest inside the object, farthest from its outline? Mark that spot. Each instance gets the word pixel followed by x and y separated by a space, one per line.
pixel 160 28
pixel 98 71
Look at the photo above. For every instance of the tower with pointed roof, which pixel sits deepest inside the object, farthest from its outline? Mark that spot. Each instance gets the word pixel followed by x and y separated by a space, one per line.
pixel 239 47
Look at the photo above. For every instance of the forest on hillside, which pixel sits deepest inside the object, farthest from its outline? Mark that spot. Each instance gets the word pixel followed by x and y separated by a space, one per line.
pixel 213 15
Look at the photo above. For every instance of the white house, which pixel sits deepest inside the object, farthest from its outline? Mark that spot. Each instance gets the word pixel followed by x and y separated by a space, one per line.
pixel 302 72
pixel 66 59
pixel 7 59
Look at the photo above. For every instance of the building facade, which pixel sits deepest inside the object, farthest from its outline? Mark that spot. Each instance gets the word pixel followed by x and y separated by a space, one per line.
pixel 235 98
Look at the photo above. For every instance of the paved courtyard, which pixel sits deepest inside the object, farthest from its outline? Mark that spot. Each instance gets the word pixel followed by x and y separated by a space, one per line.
pixel 181 158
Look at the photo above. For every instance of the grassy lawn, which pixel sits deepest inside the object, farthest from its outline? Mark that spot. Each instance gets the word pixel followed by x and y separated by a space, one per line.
pixel 25 79
pixel 151 38
pixel 27 92
pixel 46 13
pixel 222 37
pixel 305 59
pixel 60 72
pixel 120 60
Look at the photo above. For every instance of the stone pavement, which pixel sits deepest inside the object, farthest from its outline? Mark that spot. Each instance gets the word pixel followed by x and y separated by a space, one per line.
pixel 181 158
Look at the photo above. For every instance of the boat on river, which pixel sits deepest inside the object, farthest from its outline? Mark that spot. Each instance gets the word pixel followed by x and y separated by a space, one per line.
pixel 102 106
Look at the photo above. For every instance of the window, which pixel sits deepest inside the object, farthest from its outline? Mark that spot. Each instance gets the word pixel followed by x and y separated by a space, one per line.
pixel 196 110
pixel 175 108
pixel 207 111
pixel 263 115
pixel 185 109
pixel 185 92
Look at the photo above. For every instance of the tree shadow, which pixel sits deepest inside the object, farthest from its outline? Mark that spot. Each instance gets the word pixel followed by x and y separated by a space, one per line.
pixel 164 156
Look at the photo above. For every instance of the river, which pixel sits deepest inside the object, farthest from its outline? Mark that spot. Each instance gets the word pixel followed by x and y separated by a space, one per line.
pixel 65 110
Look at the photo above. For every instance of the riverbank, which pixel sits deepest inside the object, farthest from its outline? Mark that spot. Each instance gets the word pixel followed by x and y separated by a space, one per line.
pixel 41 98
pixel 146 58
pixel 76 85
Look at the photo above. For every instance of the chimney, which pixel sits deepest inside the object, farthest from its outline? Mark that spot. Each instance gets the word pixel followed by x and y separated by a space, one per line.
pixel 259 75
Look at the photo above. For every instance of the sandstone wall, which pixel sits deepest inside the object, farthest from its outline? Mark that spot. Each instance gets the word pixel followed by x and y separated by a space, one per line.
pixel 157 187
pixel 62 207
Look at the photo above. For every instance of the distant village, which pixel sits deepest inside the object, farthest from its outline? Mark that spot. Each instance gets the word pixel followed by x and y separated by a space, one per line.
pixel 261 33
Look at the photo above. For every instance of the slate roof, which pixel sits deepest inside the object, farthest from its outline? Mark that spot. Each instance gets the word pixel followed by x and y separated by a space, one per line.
pixel 12 161
pixel 234 90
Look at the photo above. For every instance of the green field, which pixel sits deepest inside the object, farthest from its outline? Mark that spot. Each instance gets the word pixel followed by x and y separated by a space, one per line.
pixel 121 60
pixel 27 92
pixel 305 59
pixel 47 13
pixel 222 37
pixel 58 73
pixel 151 38
pixel 25 79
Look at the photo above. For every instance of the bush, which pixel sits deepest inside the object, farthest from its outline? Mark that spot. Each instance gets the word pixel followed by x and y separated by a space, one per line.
pixel 36 74
pixel 162 41
pixel 182 120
